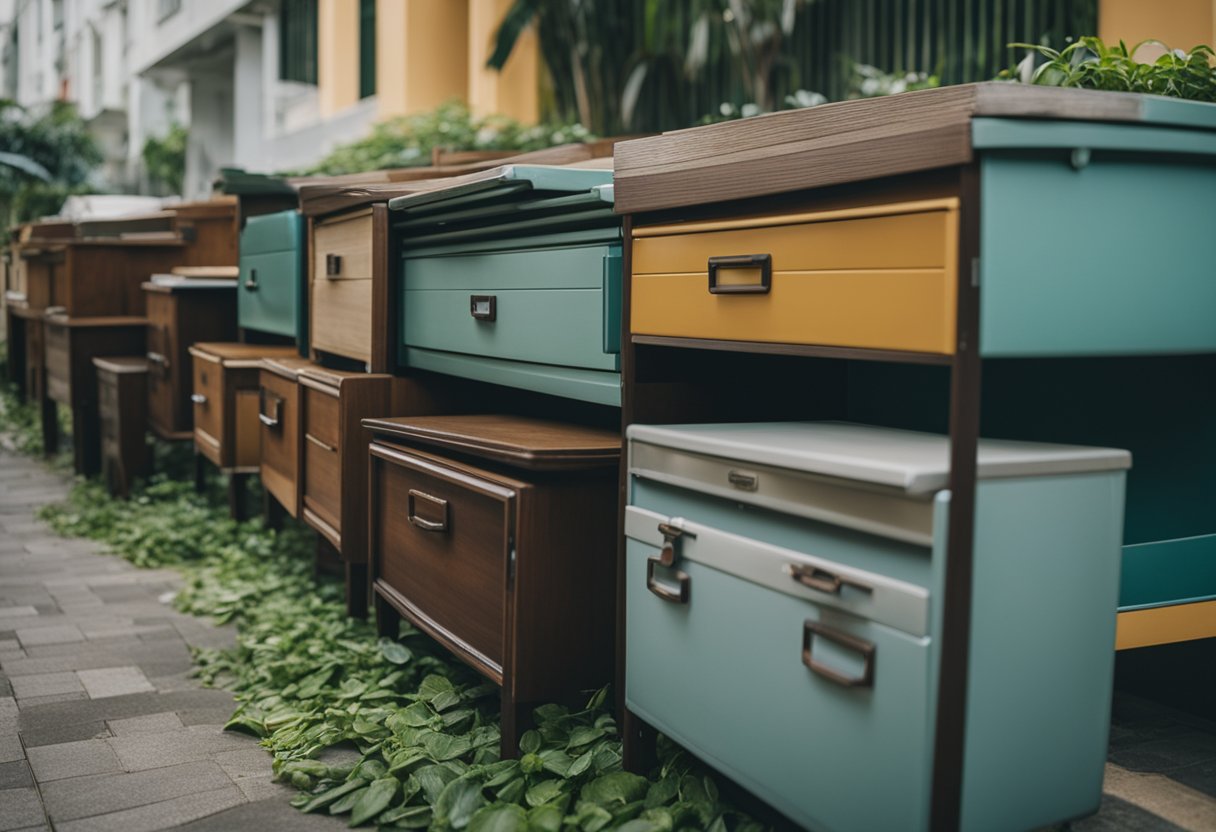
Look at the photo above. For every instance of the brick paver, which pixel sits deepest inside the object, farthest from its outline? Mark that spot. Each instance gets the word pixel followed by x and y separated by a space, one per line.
pixel 101 725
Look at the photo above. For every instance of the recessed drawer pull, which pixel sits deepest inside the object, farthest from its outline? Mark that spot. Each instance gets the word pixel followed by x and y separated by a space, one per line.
pixel 743 480
pixel 422 523
pixel 270 420
pixel 251 282
pixel 813 629
pixel 483 307
pixel 815 577
pixel 314 440
pixel 333 265
pixel 198 398
pixel 735 262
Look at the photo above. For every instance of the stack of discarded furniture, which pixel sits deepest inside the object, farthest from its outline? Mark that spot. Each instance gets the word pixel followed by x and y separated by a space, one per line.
pixel 830 409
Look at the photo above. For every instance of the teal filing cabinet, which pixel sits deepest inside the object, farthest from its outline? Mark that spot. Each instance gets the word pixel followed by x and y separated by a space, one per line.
pixel 514 277
pixel 271 297
pixel 783 621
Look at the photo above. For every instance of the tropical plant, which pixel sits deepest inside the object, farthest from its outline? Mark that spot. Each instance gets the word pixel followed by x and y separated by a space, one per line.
pixel 409 140
pixel 165 158
pixel 1091 64
pixel 51 140
pixel 649 65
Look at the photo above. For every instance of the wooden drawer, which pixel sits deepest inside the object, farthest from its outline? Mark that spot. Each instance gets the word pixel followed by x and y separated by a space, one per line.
pixel 341 318
pixel 342 248
pixel 278 417
pixel 163 393
pixel 882 277
pixel 323 488
pixel 208 400
pixel 122 403
pixel 323 419
pixel 445 547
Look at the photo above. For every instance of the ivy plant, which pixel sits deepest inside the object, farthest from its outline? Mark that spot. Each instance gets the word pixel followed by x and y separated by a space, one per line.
pixel 392 732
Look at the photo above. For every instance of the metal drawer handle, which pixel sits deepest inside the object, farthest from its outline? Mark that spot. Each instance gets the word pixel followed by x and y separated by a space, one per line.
pixel 422 523
pixel 314 440
pixel 269 420
pixel 251 283
pixel 157 358
pixel 333 265
pixel 483 307
pixel 743 480
pixel 824 580
pixel 679 595
pixel 764 262
pixel 667 559
pixel 198 398
pixel 810 629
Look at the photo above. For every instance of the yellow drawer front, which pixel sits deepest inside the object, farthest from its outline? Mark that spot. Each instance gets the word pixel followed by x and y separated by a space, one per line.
pixel 872 278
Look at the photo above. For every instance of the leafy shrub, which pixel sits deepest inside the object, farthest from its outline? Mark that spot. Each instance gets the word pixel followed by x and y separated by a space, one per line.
pixel 1090 64
pixel 165 158
pixel 407 141
pixel 56 138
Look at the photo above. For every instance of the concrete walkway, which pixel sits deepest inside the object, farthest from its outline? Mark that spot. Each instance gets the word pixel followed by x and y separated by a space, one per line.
pixel 103 728
pixel 101 725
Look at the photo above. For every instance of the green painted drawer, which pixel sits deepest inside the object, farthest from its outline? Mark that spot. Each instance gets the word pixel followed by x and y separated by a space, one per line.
pixel 555 307
pixel 271 296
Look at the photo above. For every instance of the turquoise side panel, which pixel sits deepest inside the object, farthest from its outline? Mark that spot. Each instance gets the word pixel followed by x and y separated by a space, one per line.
pixel 562 327
pixel 271 296
pixel 1046 583
pixel 1114 258
pixel 1168 572
pixel 724 677
pixel 274 305
pixel 596 386
pixel 990 133
pixel 892 558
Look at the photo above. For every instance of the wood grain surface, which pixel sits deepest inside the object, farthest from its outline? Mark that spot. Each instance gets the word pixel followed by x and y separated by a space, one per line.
pixel 847 141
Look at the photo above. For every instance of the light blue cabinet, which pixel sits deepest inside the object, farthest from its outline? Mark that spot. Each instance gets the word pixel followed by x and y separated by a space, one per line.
pixel 783 618
pixel 271 296
pixel 514 278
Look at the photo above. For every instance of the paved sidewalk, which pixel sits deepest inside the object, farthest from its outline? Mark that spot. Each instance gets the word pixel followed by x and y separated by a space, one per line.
pixel 101 725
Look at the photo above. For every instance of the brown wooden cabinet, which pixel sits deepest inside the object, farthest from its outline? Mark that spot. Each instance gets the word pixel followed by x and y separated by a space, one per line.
pixel 225 398
pixel 71 344
pixel 180 315
pixel 333 455
pixel 122 406
pixel 279 403
pixel 497 536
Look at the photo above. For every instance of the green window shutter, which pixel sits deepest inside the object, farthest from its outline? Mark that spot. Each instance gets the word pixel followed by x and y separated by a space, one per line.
pixel 298 41
pixel 367 48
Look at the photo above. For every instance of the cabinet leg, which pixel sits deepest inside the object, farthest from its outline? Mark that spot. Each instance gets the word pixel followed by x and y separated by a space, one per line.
pixel 356 590
pixel 236 497
pixel 639 744
pixel 388 620
pixel 48 412
pixel 86 442
pixel 272 512
pixel 516 719
pixel 200 473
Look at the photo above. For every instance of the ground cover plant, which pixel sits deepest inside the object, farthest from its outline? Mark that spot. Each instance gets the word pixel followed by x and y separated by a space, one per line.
pixel 391 732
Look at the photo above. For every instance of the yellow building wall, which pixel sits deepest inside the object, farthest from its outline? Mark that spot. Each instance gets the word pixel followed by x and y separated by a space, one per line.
pixel 1180 24
pixel 421 54
pixel 337 55
pixel 516 90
